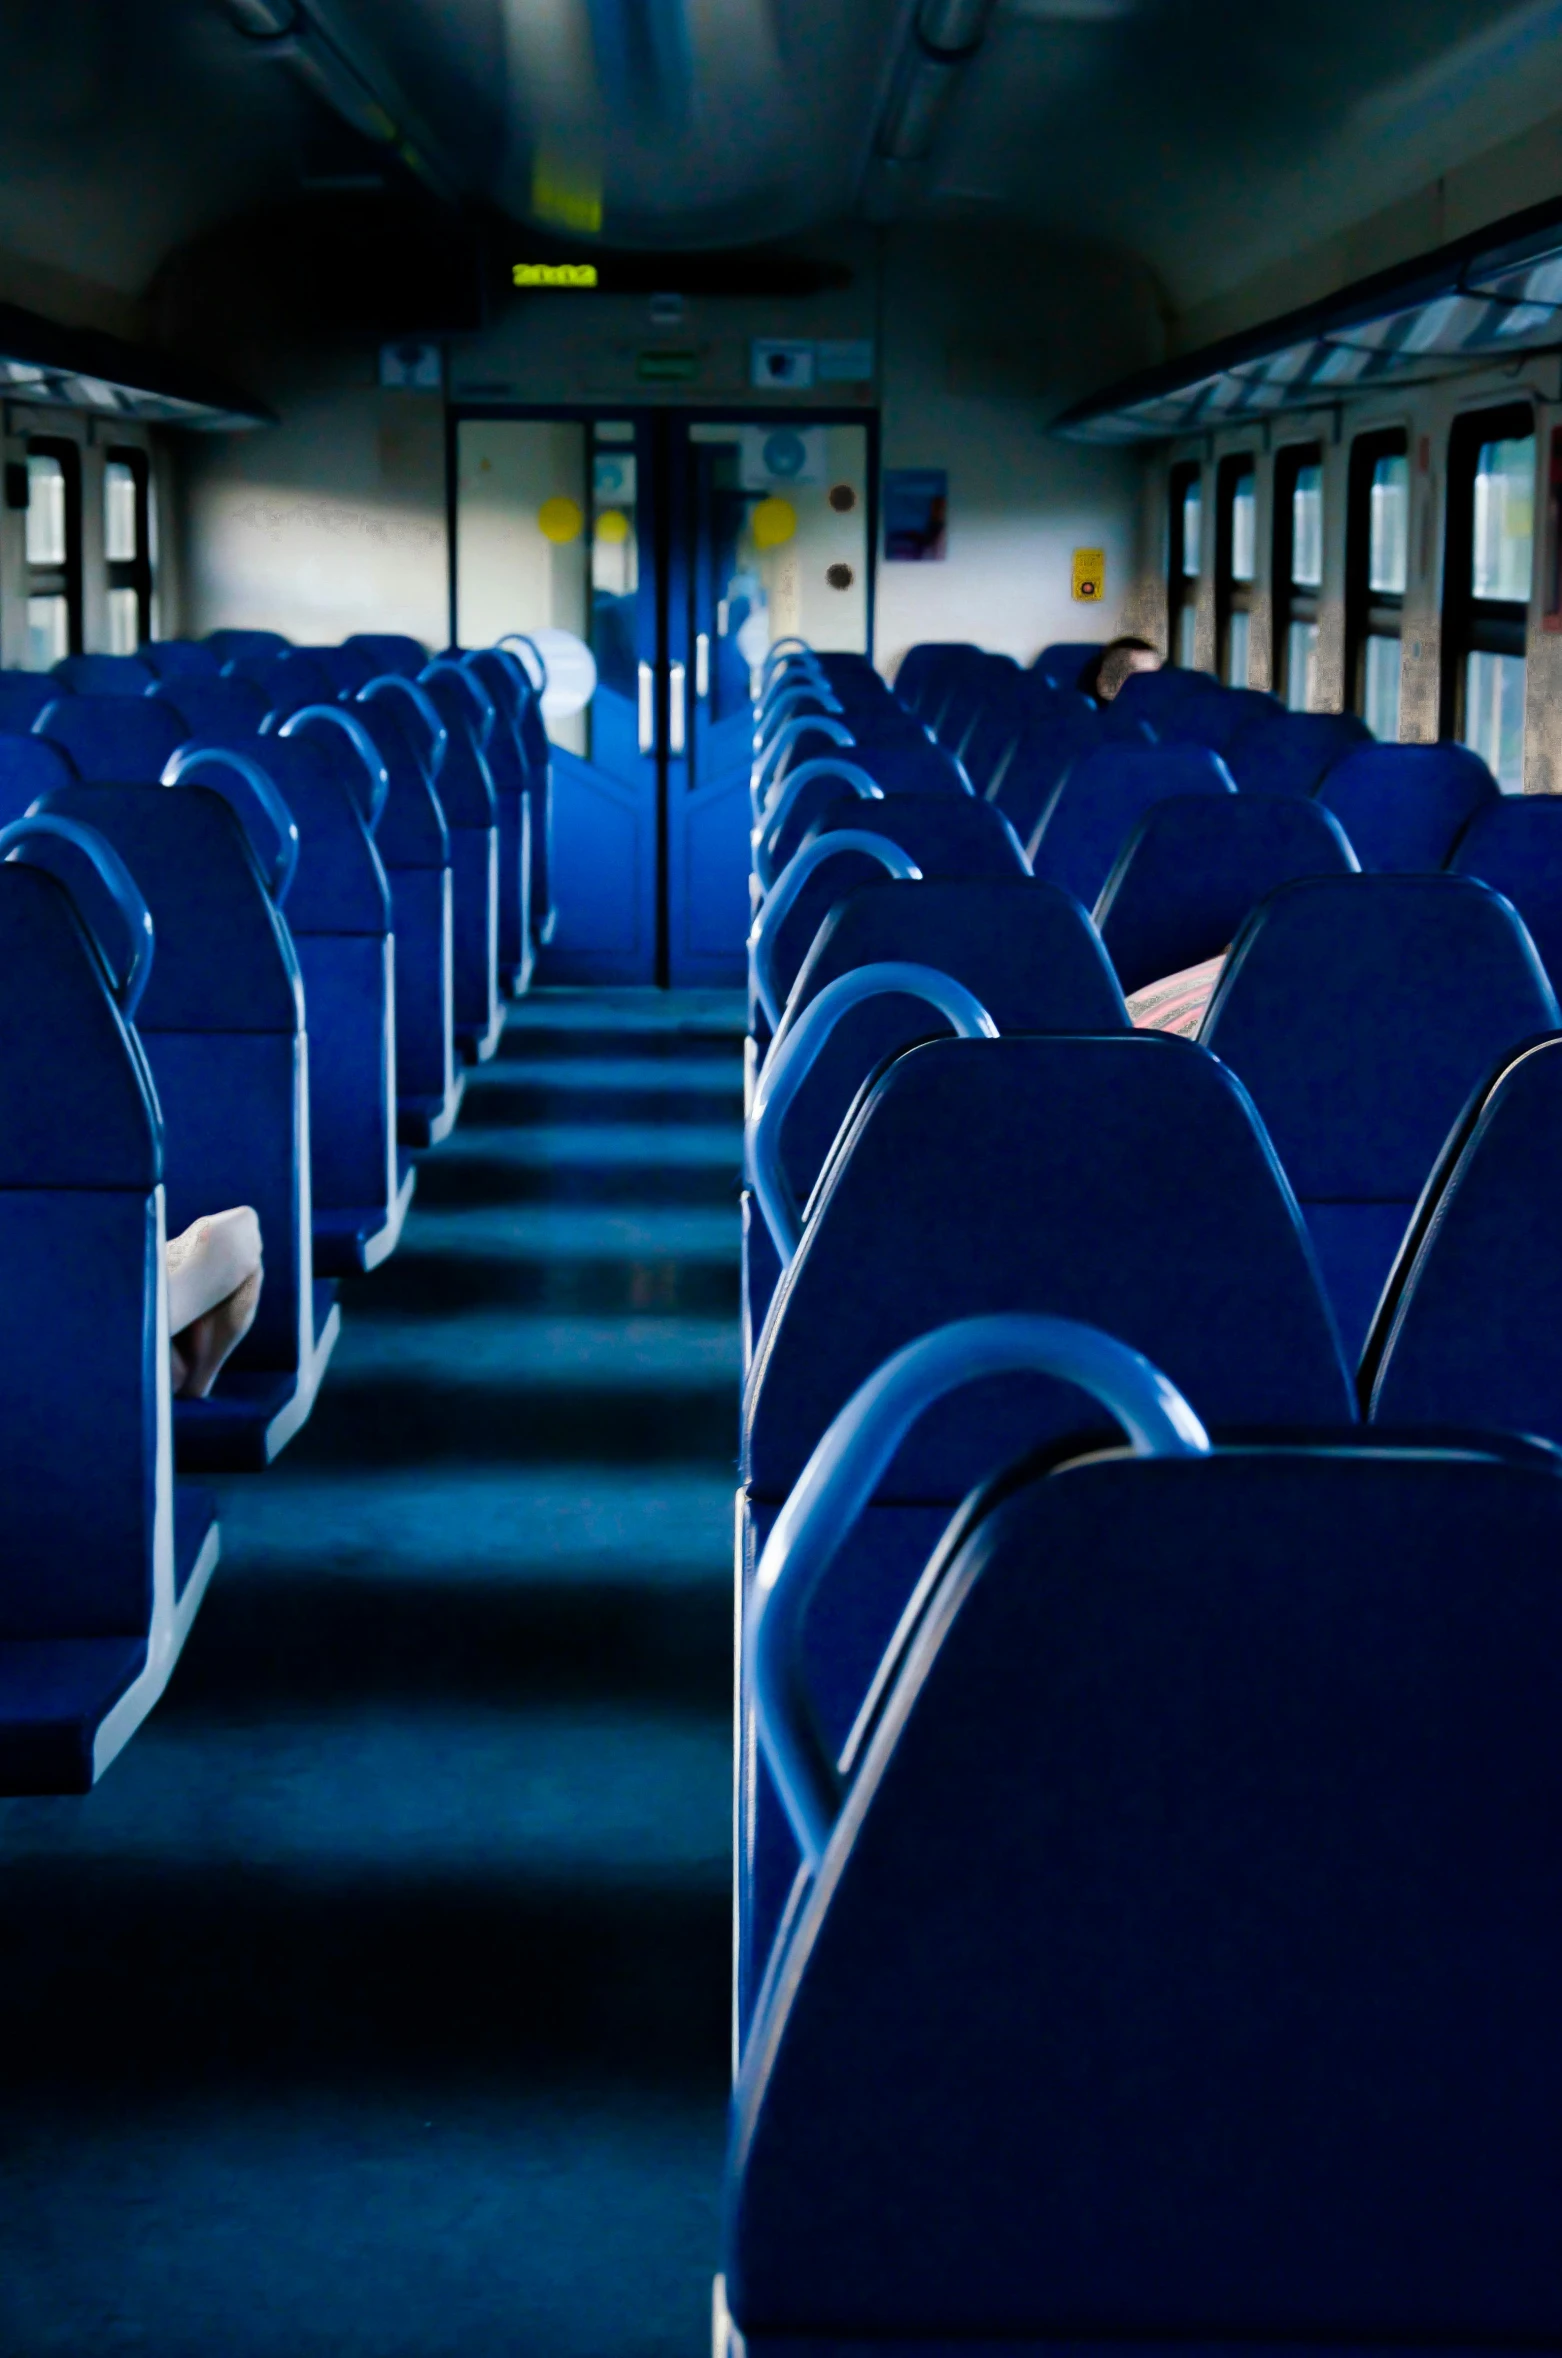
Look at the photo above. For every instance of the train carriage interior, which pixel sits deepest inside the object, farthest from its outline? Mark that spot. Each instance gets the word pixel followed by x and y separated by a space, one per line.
pixel 780 1271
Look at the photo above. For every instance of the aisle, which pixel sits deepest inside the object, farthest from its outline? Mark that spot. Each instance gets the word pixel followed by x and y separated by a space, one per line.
pixel 377 2000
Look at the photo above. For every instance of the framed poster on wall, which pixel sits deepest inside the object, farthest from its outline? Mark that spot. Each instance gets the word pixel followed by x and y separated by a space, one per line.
pixel 916 514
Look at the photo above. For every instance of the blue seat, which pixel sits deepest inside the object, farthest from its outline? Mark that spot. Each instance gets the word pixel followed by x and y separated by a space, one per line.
pixel 922 666
pixel 389 651
pixel 1026 951
pixel 460 697
pixel 507 682
pixel 1053 736
pixel 1515 845
pixel 105 1559
pixel 1101 797
pixel 217 707
pixel 1194 866
pixel 291 680
pixel 995 730
pixel 906 761
pixel 370 753
pixel 1060 665
pixel 222 1022
pixel 104 675
pixel 1469 1330
pixel 1178 1967
pixel 29 766
pixel 1405 806
pixel 1361 1012
pixel 973 688
pixel 23 695
pixel 946 834
pixel 1292 752
pixel 113 740
pixel 459 774
pixel 1123 1180
pixel 1152 696
pixel 227 644
pixel 349 665
pixel 339 915
pixel 1215 716
pixel 181 659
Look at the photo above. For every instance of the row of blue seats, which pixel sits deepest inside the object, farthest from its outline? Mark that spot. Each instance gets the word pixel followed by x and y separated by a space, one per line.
pixel 1138 1918
pixel 232 977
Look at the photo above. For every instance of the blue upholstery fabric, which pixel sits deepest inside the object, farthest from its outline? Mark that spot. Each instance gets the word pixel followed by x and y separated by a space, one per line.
pixel 113 740
pixel 104 675
pixel 1293 752
pixel 514 701
pixel 1055 734
pixel 29 766
pixel 1514 844
pixel 946 834
pixel 460 696
pixel 226 644
pixel 390 651
pixel 291 680
pixel 1183 1971
pixel 782 832
pixel 1101 797
pixel 23 695
pixel 1404 806
pixel 349 667
pixel 414 844
pixel 1470 1331
pixel 973 688
pixel 1061 664
pixel 215 707
pixel 1361 1011
pixel 1194 866
pixel 1215 716
pixel 923 664
pixel 1151 695
pixel 103 892
pixel 906 761
pixel 181 659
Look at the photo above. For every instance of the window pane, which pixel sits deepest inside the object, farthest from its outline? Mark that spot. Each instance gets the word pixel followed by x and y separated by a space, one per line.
pixel 45 511
pixel 124 622
pixel 1301 663
pixel 1236 652
pixel 1187 630
pixel 1504 519
pixel 1388 532
pixel 1381 703
pixel 1244 527
pixel 120 538
pixel 48 631
pixel 1494 716
pixel 1307 528
pixel 1192 519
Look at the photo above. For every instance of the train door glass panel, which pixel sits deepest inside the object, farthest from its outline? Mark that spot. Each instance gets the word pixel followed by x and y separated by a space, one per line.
pixel 127 550
pixel 1377 544
pixel 1490 560
pixel 1236 562
pixel 1184 560
pixel 52 547
pixel 1298 572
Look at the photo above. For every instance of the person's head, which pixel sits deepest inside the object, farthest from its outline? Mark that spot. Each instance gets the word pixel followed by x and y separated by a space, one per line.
pixel 1117 661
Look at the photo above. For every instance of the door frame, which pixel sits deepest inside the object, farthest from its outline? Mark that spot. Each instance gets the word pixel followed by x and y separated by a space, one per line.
pixel 668 449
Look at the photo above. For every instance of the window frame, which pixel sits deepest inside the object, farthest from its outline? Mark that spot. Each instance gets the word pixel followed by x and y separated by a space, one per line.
pixel 1472 625
pixel 1291 603
pixel 1233 597
pixel 1369 613
pixel 133 573
pixel 65 579
pixel 1182 588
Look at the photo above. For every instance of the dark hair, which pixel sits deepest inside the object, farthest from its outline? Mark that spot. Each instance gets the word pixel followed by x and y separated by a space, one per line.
pixel 1090 677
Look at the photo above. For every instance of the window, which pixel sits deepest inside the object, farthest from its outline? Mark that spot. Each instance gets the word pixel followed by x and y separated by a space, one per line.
pixel 1491 523
pixel 127 549
pixel 1236 563
pixel 1298 572
pixel 1377 556
pixel 1185 558
pixel 53 553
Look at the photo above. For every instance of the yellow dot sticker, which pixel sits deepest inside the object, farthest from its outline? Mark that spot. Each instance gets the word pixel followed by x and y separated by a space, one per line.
pixel 561 520
pixel 1089 575
pixel 774 522
pixel 613 526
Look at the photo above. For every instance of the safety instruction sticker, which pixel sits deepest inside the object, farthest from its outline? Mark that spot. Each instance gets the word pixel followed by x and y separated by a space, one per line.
pixel 1089 574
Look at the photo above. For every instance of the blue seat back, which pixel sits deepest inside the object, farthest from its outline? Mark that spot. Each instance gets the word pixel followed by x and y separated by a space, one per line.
pixel 216 707
pixel 227 645
pixel 349 667
pixel 80 1250
pixel 1101 797
pixel 181 659
pixel 1182 1974
pixel 390 651
pixel 1055 733
pixel 1061 664
pixel 906 761
pixel 29 766
pixel 1361 1012
pixel 104 675
pixel 1194 866
pixel 1514 844
pixel 1292 752
pixel 1469 1331
pixel 23 695
pixel 923 664
pixel 1404 806
pixel 113 740
pixel 946 834
pixel 1151 696
pixel 1215 716
pixel 222 1021
pixel 291 680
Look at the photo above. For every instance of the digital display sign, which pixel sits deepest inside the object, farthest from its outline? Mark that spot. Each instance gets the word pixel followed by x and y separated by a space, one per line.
pixel 554 274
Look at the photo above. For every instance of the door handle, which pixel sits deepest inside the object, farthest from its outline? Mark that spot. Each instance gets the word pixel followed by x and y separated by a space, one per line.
pixel 702 665
pixel 675 714
pixel 723 606
pixel 647 709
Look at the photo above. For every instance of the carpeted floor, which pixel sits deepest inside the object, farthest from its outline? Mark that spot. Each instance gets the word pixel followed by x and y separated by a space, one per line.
pixel 376 2002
